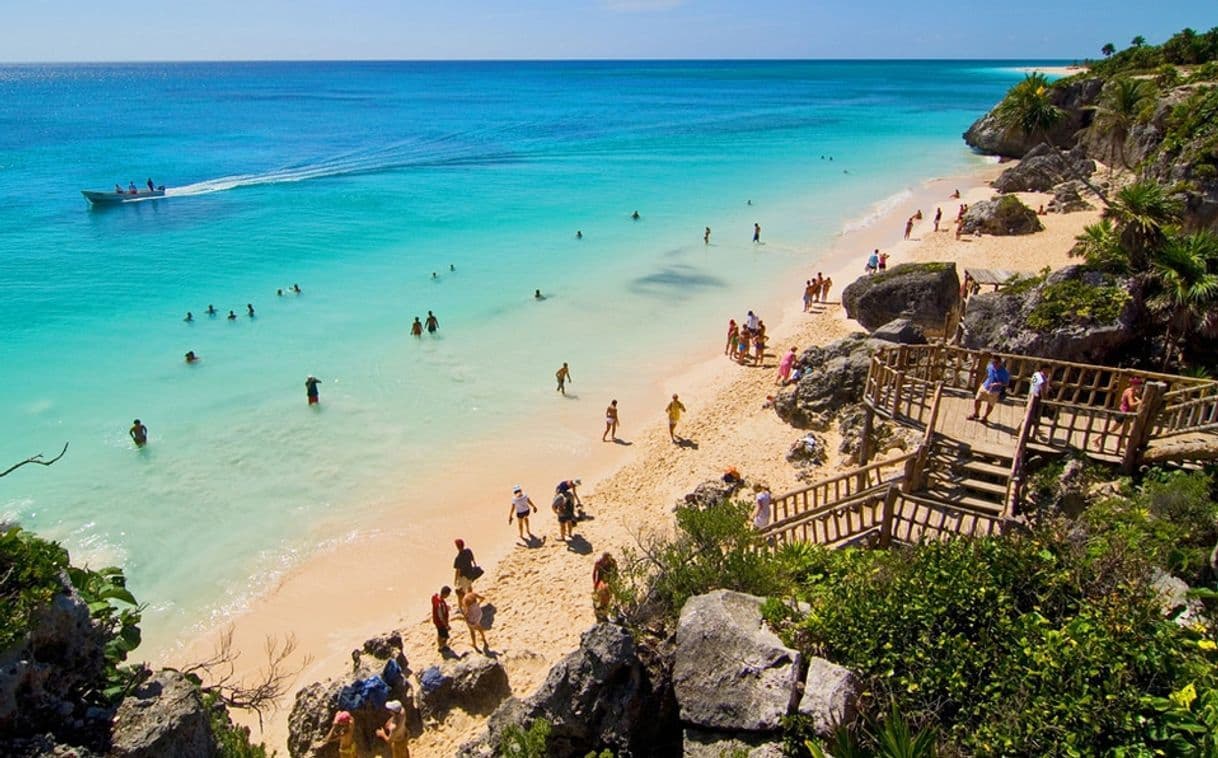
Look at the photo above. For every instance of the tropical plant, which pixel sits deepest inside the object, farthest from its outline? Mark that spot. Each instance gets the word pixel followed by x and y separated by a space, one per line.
pixel 525 743
pixel 892 739
pixel 1100 246
pixel 1120 106
pixel 1137 41
pixel 1186 287
pixel 1143 213
pixel 1108 50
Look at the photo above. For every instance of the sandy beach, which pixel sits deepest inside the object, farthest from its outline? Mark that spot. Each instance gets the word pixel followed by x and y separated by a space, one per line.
pixel 378 578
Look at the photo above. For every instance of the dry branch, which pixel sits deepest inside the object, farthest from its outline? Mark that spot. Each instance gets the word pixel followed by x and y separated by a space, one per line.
pixel 35 459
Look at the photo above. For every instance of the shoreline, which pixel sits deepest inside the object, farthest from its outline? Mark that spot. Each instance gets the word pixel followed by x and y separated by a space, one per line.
pixel 724 418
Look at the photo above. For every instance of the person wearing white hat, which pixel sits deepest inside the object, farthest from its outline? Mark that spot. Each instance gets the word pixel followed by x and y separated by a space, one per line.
pixel 394 730
pixel 520 508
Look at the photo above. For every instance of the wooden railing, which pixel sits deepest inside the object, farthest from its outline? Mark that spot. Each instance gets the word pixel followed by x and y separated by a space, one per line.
pixel 838 488
pixel 897 394
pixel 1193 409
pixel 849 520
pixel 1095 430
pixel 916 519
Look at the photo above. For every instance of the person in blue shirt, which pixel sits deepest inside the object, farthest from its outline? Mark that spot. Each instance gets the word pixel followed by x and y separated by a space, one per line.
pixel 997 379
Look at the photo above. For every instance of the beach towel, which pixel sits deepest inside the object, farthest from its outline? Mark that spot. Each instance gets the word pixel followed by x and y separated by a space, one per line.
pixel 371 692
pixel 392 674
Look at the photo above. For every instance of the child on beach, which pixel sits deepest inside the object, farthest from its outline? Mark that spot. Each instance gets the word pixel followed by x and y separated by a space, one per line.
pixel 883 261
pixel 439 617
pixel 471 608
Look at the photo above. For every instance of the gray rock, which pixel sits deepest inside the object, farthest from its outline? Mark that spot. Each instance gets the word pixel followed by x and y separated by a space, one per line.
pixel 1174 600
pixel 603 695
pixel 988 136
pixel 1068 198
pixel 830 698
pixel 924 293
pixel 731 672
pixel 901 331
pixel 703 743
pixel 830 377
pixel 999 321
pixel 807 452
pixel 1002 216
pixel 1044 167
pixel 164 716
pixel 712 492
pixel 474 683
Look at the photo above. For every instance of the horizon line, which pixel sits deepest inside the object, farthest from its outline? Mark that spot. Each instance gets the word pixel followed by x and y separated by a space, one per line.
pixel 1067 60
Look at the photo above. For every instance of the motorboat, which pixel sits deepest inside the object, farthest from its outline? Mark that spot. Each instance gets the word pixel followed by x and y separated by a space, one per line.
pixel 116 198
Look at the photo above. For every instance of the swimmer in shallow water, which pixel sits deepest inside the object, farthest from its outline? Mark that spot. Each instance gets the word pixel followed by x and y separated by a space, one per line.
pixel 279 292
pixel 191 357
pixel 211 310
pixel 635 215
pixel 139 433
pixel 416 329
pixel 578 234
pixel 189 316
pixel 296 288
pixel 249 309
pixel 232 316
pixel 538 296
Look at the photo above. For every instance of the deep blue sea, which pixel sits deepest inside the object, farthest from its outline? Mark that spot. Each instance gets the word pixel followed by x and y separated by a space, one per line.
pixel 358 181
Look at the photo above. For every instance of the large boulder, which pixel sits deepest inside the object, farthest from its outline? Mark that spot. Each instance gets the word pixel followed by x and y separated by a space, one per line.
pixel 921 292
pixel 1043 168
pixel 830 377
pixel 1068 198
pixel 712 492
pixel 731 672
pixel 830 698
pixel 474 683
pixel 703 743
pixel 607 694
pixel 988 135
pixel 1035 320
pixel 902 331
pixel 164 716
pixel 1002 216
pixel 315 705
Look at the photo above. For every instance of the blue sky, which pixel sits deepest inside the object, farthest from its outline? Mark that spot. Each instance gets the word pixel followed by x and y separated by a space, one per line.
pixel 124 30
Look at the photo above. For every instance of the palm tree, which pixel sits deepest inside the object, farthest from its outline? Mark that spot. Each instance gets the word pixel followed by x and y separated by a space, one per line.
pixel 1108 50
pixel 1100 246
pixel 1028 109
pixel 1185 288
pixel 1138 41
pixel 1143 213
pixel 1118 110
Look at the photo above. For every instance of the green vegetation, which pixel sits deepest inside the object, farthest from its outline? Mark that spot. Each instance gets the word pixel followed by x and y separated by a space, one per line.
pixel 1192 131
pixel 1076 301
pixel 1186 48
pixel 531 743
pixel 30 571
pixel 232 741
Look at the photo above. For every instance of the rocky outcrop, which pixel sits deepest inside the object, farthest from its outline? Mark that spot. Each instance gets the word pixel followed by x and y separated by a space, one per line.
pixel 921 292
pixel 830 698
pixel 1174 602
pixel 603 695
pixel 1002 216
pixel 902 331
pixel 731 672
pixel 987 135
pixel 1068 198
pixel 474 683
pixel 315 705
pixel 704 743
pixel 164 716
pixel 807 453
pixel 886 437
pixel 45 676
pixel 712 492
pixel 999 321
pixel 830 377
pixel 1043 168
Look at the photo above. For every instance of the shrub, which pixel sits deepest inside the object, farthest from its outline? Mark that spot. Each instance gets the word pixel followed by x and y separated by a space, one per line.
pixel 30 575
pixel 1078 301
pixel 232 741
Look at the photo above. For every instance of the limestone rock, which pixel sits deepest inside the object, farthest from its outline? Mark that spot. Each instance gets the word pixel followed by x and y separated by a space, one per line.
pixel 712 492
pixel 164 716
pixel 830 696
pixel 924 293
pixel 830 377
pixel 731 672
pixel 999 321
pixel 1001 216
pixel 885 437
pixel 1068 198
pixel 1044 167
pixel 808 451
pixel 474 683
pixel 988 136
pixel 1174 600
pixel 901 331
pixel 603 695
pixel 703 743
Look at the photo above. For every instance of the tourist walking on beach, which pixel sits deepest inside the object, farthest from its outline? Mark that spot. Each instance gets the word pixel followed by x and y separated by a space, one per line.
pixel 138 433
pixel 311 393
pixel 439 617
pixel 567 488
pixel 762 502
pixel 811 294
pixel 611 421
pixel 342 731
pixel 824 289
pixel 603 573
pixel 563 375
pixel 732 331
pixel 997 379
pixel 471 609
pixel 784 368
pixel 433 323
pixel 756 233
pixel 520 507
pixel 563 506
pixel 604 570
pixel 909 226
pixel 674 411
pixel 938 217
pixel 416 329
pixel 465 569
pixel 393 731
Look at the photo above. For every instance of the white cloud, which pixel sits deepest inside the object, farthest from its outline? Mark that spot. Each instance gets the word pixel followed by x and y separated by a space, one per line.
pixel 641 6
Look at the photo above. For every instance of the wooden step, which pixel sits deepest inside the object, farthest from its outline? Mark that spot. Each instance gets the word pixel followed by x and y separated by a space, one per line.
pixel 976 503
pixel 989 469
pixel 968 483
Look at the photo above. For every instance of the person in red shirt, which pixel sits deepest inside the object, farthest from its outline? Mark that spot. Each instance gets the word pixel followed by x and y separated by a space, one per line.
pixel 439 617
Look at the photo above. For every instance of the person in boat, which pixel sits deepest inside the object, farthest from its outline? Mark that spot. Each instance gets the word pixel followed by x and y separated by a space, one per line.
pixel 118 188
pixel 131 189
pixel 151 186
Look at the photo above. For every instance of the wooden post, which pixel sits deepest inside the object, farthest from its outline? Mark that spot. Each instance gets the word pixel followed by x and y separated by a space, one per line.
pixel 909 477
pixel 1015 479
pixel 1143 423
pixel 888 515
pixel 865 445
pixel 897 381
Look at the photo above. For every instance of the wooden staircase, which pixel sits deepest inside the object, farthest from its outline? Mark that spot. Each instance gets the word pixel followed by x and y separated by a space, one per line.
pixel 965 477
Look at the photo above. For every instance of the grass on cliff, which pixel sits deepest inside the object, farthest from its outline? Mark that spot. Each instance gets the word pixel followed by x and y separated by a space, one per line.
pixel 1185 48
pixel 1075 301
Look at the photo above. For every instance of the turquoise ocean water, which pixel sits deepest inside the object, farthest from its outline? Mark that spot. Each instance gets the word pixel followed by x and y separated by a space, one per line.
pixel 358 181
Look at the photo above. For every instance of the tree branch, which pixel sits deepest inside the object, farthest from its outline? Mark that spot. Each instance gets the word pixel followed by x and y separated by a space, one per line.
pixel 35 459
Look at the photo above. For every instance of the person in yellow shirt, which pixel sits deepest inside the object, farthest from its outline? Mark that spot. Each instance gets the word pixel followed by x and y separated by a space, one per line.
pixel 674 409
